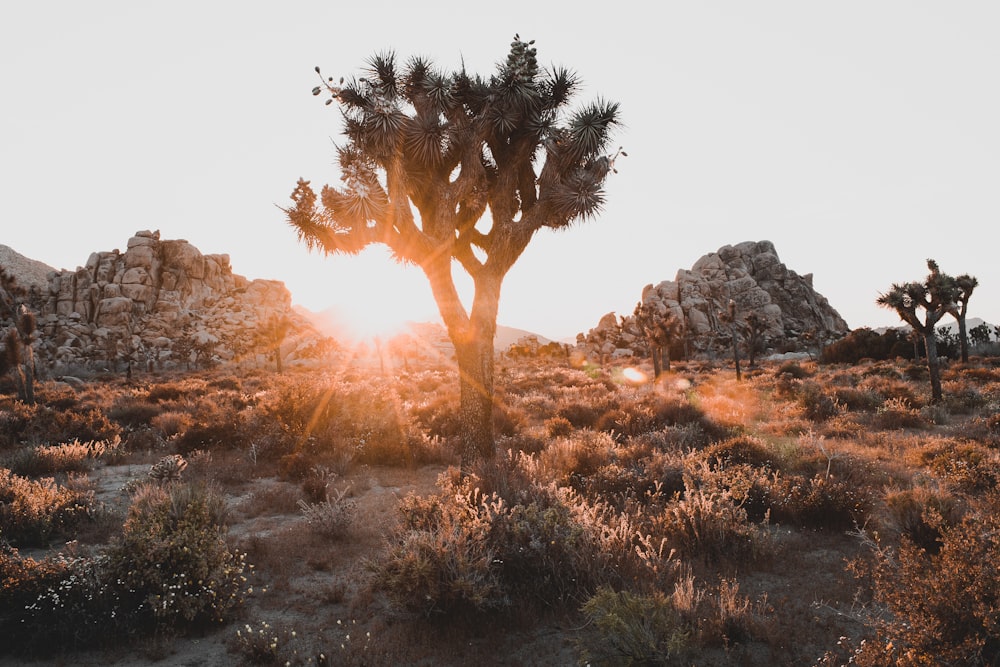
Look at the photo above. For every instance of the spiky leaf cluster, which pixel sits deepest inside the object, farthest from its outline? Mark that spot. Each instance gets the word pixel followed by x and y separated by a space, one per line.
pixel 937 295
pixel 430 152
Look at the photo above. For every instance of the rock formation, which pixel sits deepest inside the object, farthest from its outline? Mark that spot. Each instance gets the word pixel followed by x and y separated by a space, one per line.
pixel 750 274
pixel 161 303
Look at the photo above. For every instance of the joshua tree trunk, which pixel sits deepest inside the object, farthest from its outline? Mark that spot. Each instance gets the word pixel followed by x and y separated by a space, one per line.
pixel 963 338
pixel 472 335
pixel 736 356
pixel 657 357
pixel 933 366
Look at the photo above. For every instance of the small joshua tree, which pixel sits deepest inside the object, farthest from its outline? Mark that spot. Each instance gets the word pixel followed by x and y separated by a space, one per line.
pixel 660 331
pixel 756 327
pixel 729 317
pixel 273 333
pixel 936 296
pixel 965 285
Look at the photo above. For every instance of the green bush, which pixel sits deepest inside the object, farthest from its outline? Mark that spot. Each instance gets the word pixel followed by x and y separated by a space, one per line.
pixel 625 628
pixel 172 563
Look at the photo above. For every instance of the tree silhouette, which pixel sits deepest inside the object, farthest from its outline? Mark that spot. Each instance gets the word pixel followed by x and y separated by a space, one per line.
pixel 936 296
pixel 729 317
pixel 19 354
pixel 965 285
pixel 979 335
pixel 272 334
pixel 660 331
pixel 449 169
pixel 755 326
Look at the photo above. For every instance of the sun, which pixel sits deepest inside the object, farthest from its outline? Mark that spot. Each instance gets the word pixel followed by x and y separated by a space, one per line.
pixel 363 296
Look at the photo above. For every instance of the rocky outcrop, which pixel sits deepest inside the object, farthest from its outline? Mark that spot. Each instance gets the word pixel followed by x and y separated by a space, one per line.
pixel 792 313
pixel 161 303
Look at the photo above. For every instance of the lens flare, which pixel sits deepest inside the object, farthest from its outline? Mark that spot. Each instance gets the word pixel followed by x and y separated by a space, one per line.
pixel 634 375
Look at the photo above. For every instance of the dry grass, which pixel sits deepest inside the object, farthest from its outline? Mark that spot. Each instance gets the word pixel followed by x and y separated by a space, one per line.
pixel 710 515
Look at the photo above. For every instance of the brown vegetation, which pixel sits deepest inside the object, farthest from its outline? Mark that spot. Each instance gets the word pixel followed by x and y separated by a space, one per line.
pixel 810 514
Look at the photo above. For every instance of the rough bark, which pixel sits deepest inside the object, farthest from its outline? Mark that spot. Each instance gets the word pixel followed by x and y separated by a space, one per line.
pixel 933 365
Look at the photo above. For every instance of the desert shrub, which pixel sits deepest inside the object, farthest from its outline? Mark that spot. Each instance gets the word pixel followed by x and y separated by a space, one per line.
pixel 174 390
pixel 465 551
pixel 942 607
pixel 984 430
pixel 741 449
pixel 226 383
pixel 708 523
pixel 817 403
pixel 72 456
pixel 442 560
pixel 577 455
pixel 935 413
pixel 793 370
pixel 817 502
pixel 219 427
pixel 439 416
pixel 962 397
pixel 667 468
pixel 169 571
pixel 41 424
pixel 889 387
pixel 617 484
pixel 556 427
pixel 131 411
pixel 33 511
pixel 264 643
pixel 864 343
pixel 325 419
pixel 171 422
pixel 691 435
pixel 582 414
pixel 856 399
pixel 172 564
pixel 920 513
pixel 718 616
pixel 56 395
pixel 143 440
pixel 332 516
pixel 964 465
pixel 56 604
pixel 915 372
pixel 897 413
pixel 626 628
pixel 652 413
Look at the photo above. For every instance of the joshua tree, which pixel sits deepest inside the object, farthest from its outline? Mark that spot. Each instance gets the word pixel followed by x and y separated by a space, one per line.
pixel 755 326
pixel 660 331
pixel 729 317
pixel 449 169
pixel 979 335
pixel 272 334
pixel 937 297
pixel 965 285
pixel 19 354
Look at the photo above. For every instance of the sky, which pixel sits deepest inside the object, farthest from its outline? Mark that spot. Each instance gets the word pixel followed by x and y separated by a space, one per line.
pixel 860 137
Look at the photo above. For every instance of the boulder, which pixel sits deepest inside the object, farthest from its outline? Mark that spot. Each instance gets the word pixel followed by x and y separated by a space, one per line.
pixel 754 278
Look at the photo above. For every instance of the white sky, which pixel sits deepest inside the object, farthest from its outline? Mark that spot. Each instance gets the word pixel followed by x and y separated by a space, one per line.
pixel 861 137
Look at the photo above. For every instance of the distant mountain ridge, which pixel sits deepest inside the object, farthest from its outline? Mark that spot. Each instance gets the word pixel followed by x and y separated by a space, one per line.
pixel 330 323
